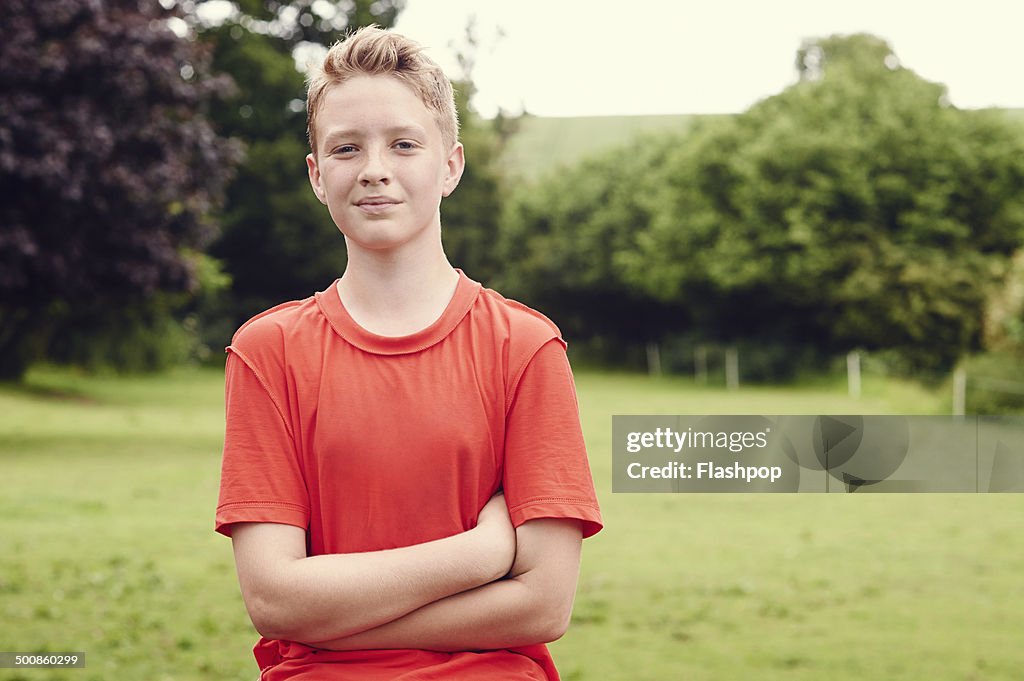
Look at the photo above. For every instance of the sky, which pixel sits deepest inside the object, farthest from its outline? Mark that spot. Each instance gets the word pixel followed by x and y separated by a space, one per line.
pixel 579 58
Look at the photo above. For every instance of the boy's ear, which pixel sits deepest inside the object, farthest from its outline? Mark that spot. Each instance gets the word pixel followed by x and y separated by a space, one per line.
pixel 456 164
pixel 314 178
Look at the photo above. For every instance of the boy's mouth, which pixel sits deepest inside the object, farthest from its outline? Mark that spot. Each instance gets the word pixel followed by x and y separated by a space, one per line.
pixel 376 204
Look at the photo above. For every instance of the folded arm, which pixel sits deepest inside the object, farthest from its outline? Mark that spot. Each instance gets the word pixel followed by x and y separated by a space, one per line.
pixel 533 605
pixel 290 596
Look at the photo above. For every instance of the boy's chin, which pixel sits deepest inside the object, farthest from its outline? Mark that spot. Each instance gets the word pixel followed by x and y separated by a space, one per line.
pixel 382 241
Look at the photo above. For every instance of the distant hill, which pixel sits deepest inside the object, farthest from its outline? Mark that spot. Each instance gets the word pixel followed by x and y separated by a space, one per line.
pixel 542 144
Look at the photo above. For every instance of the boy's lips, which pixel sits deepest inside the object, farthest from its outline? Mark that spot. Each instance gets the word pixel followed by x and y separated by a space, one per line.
pixel 376 204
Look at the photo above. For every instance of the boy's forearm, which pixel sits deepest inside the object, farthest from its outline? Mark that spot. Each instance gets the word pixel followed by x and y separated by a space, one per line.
pixel 533 606
pixel 329 596
pixel 502 614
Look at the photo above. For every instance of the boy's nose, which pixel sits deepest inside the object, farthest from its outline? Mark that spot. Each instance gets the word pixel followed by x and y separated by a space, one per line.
pixel 375 170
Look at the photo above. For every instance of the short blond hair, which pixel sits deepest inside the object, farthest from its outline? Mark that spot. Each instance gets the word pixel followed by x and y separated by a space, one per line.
pixel 374 51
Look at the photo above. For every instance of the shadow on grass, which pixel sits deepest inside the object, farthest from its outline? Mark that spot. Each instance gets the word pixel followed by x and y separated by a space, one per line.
pixel 53 393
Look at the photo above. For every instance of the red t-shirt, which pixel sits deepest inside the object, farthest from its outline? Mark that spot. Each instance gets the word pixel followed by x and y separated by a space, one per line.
pixel 370 442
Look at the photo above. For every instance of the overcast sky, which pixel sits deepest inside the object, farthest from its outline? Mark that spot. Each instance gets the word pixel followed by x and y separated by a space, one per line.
pixel 574 58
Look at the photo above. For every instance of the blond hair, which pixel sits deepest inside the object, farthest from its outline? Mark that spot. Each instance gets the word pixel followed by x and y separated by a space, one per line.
pixel 374 51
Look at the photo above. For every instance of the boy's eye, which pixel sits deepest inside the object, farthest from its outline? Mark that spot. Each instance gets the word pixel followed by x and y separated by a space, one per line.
pixel 344 149
pixel 405 145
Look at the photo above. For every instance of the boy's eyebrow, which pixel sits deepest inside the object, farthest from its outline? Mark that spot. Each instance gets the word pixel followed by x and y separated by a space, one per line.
pixel 348 133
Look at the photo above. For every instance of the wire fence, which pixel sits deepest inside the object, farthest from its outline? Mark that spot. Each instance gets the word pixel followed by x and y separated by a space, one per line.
pixel 712 362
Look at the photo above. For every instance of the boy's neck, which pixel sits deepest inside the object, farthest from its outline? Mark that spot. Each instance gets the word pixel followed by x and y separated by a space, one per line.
pixel 391 295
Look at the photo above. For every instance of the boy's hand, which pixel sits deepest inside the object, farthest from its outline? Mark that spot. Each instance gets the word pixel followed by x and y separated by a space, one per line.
pixel 497 534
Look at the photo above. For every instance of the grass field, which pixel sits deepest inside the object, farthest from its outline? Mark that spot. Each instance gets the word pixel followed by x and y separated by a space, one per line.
pixel 107 490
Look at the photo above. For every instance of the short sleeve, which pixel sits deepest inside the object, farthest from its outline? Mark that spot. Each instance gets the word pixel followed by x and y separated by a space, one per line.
pixel 261 476
pixel 546 471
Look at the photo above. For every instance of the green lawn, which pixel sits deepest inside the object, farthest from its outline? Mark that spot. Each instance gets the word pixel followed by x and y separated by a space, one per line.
pixel 107 490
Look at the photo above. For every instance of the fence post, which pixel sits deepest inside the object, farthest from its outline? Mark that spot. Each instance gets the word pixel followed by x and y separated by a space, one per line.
pixel 653 358
pixel 959 391
pixel 732 368
pixel 853 373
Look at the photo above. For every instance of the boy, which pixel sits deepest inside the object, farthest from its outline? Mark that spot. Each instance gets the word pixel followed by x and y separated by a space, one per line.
pixel 371 427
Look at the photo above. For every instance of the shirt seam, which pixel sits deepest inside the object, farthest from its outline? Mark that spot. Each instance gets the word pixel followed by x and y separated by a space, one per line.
pixel 266 388
pixel 517 376
pixel 370 343
pixel 256 502
pixel 538 500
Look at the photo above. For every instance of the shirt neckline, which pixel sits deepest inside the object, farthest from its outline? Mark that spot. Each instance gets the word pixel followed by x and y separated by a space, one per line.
pixel 344 325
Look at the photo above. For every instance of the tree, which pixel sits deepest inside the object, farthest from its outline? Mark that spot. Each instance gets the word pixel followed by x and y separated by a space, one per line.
pixel 108 167
pixel 861 53
pixel 277 242
pixel 856 209
pixel 564 240
pixel 470 217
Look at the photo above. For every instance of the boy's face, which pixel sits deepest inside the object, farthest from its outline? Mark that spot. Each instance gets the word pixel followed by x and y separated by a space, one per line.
pixel 380 165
